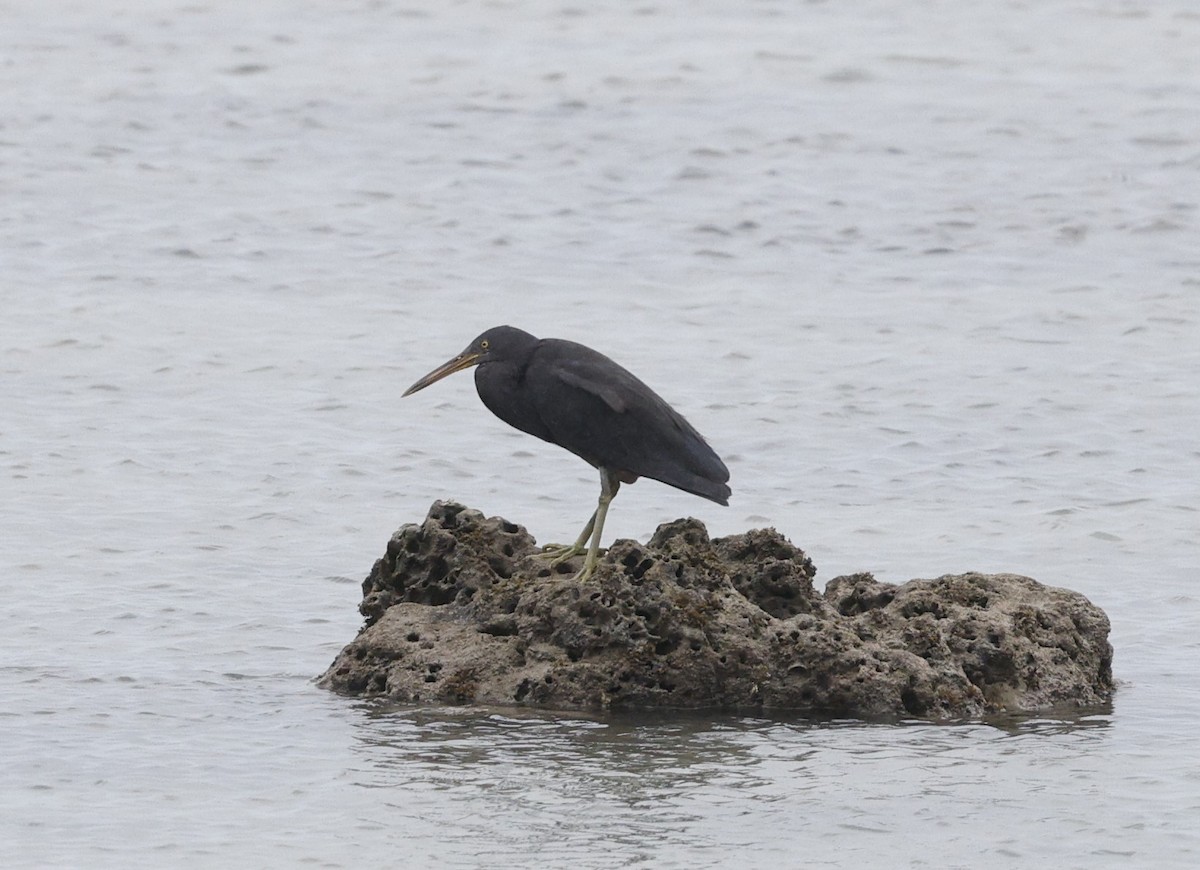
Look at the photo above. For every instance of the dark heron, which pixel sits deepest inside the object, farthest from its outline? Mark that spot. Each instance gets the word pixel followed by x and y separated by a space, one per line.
pixel 577 398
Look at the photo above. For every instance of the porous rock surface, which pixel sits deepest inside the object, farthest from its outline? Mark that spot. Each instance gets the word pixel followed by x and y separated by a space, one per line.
pixel 462 610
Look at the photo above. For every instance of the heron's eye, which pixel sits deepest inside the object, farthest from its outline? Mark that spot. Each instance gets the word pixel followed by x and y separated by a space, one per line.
pixel 483 345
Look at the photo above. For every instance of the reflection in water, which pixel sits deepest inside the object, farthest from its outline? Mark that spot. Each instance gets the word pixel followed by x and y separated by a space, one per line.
pixel 1056 721
pixel 576 786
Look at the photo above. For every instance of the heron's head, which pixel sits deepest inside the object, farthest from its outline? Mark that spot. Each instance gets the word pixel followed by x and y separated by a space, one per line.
pixel 498 344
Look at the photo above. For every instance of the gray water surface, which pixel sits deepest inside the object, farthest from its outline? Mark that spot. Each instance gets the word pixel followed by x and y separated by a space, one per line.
pixel 925 274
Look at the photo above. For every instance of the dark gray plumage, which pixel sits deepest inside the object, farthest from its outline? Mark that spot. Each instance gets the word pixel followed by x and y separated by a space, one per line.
pixel 579 399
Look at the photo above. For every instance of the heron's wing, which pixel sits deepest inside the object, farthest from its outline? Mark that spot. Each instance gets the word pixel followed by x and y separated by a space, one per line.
pixel 610 394
pixel 605 414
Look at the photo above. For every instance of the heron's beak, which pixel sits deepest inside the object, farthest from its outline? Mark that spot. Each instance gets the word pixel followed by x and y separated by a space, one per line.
pixel 463 361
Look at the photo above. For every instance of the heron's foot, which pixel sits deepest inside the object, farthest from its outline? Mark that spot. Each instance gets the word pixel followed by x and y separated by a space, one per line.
pixel 559 553
pixel 585 573
pixel 589 566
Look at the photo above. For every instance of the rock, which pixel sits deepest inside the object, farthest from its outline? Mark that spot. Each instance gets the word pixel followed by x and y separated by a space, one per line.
pixel 461 610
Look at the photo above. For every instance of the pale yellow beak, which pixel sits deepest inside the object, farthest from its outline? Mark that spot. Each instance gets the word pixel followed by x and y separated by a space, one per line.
pixel 464 360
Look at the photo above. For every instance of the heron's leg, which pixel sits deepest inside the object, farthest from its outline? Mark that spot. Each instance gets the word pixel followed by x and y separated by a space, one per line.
pixel 608 491
pixel 559 553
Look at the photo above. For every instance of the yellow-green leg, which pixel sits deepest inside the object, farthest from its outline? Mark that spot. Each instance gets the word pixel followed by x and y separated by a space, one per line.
pixel 559 553
pixel 608 491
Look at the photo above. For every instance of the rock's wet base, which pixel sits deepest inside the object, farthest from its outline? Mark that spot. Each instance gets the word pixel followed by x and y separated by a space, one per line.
pixel 462 610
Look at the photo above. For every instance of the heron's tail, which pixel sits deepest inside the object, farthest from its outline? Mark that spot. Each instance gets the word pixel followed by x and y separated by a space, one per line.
pixel 713 490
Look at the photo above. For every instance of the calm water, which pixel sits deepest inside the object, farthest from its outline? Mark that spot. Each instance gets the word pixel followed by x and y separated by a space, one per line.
pixel 925 273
